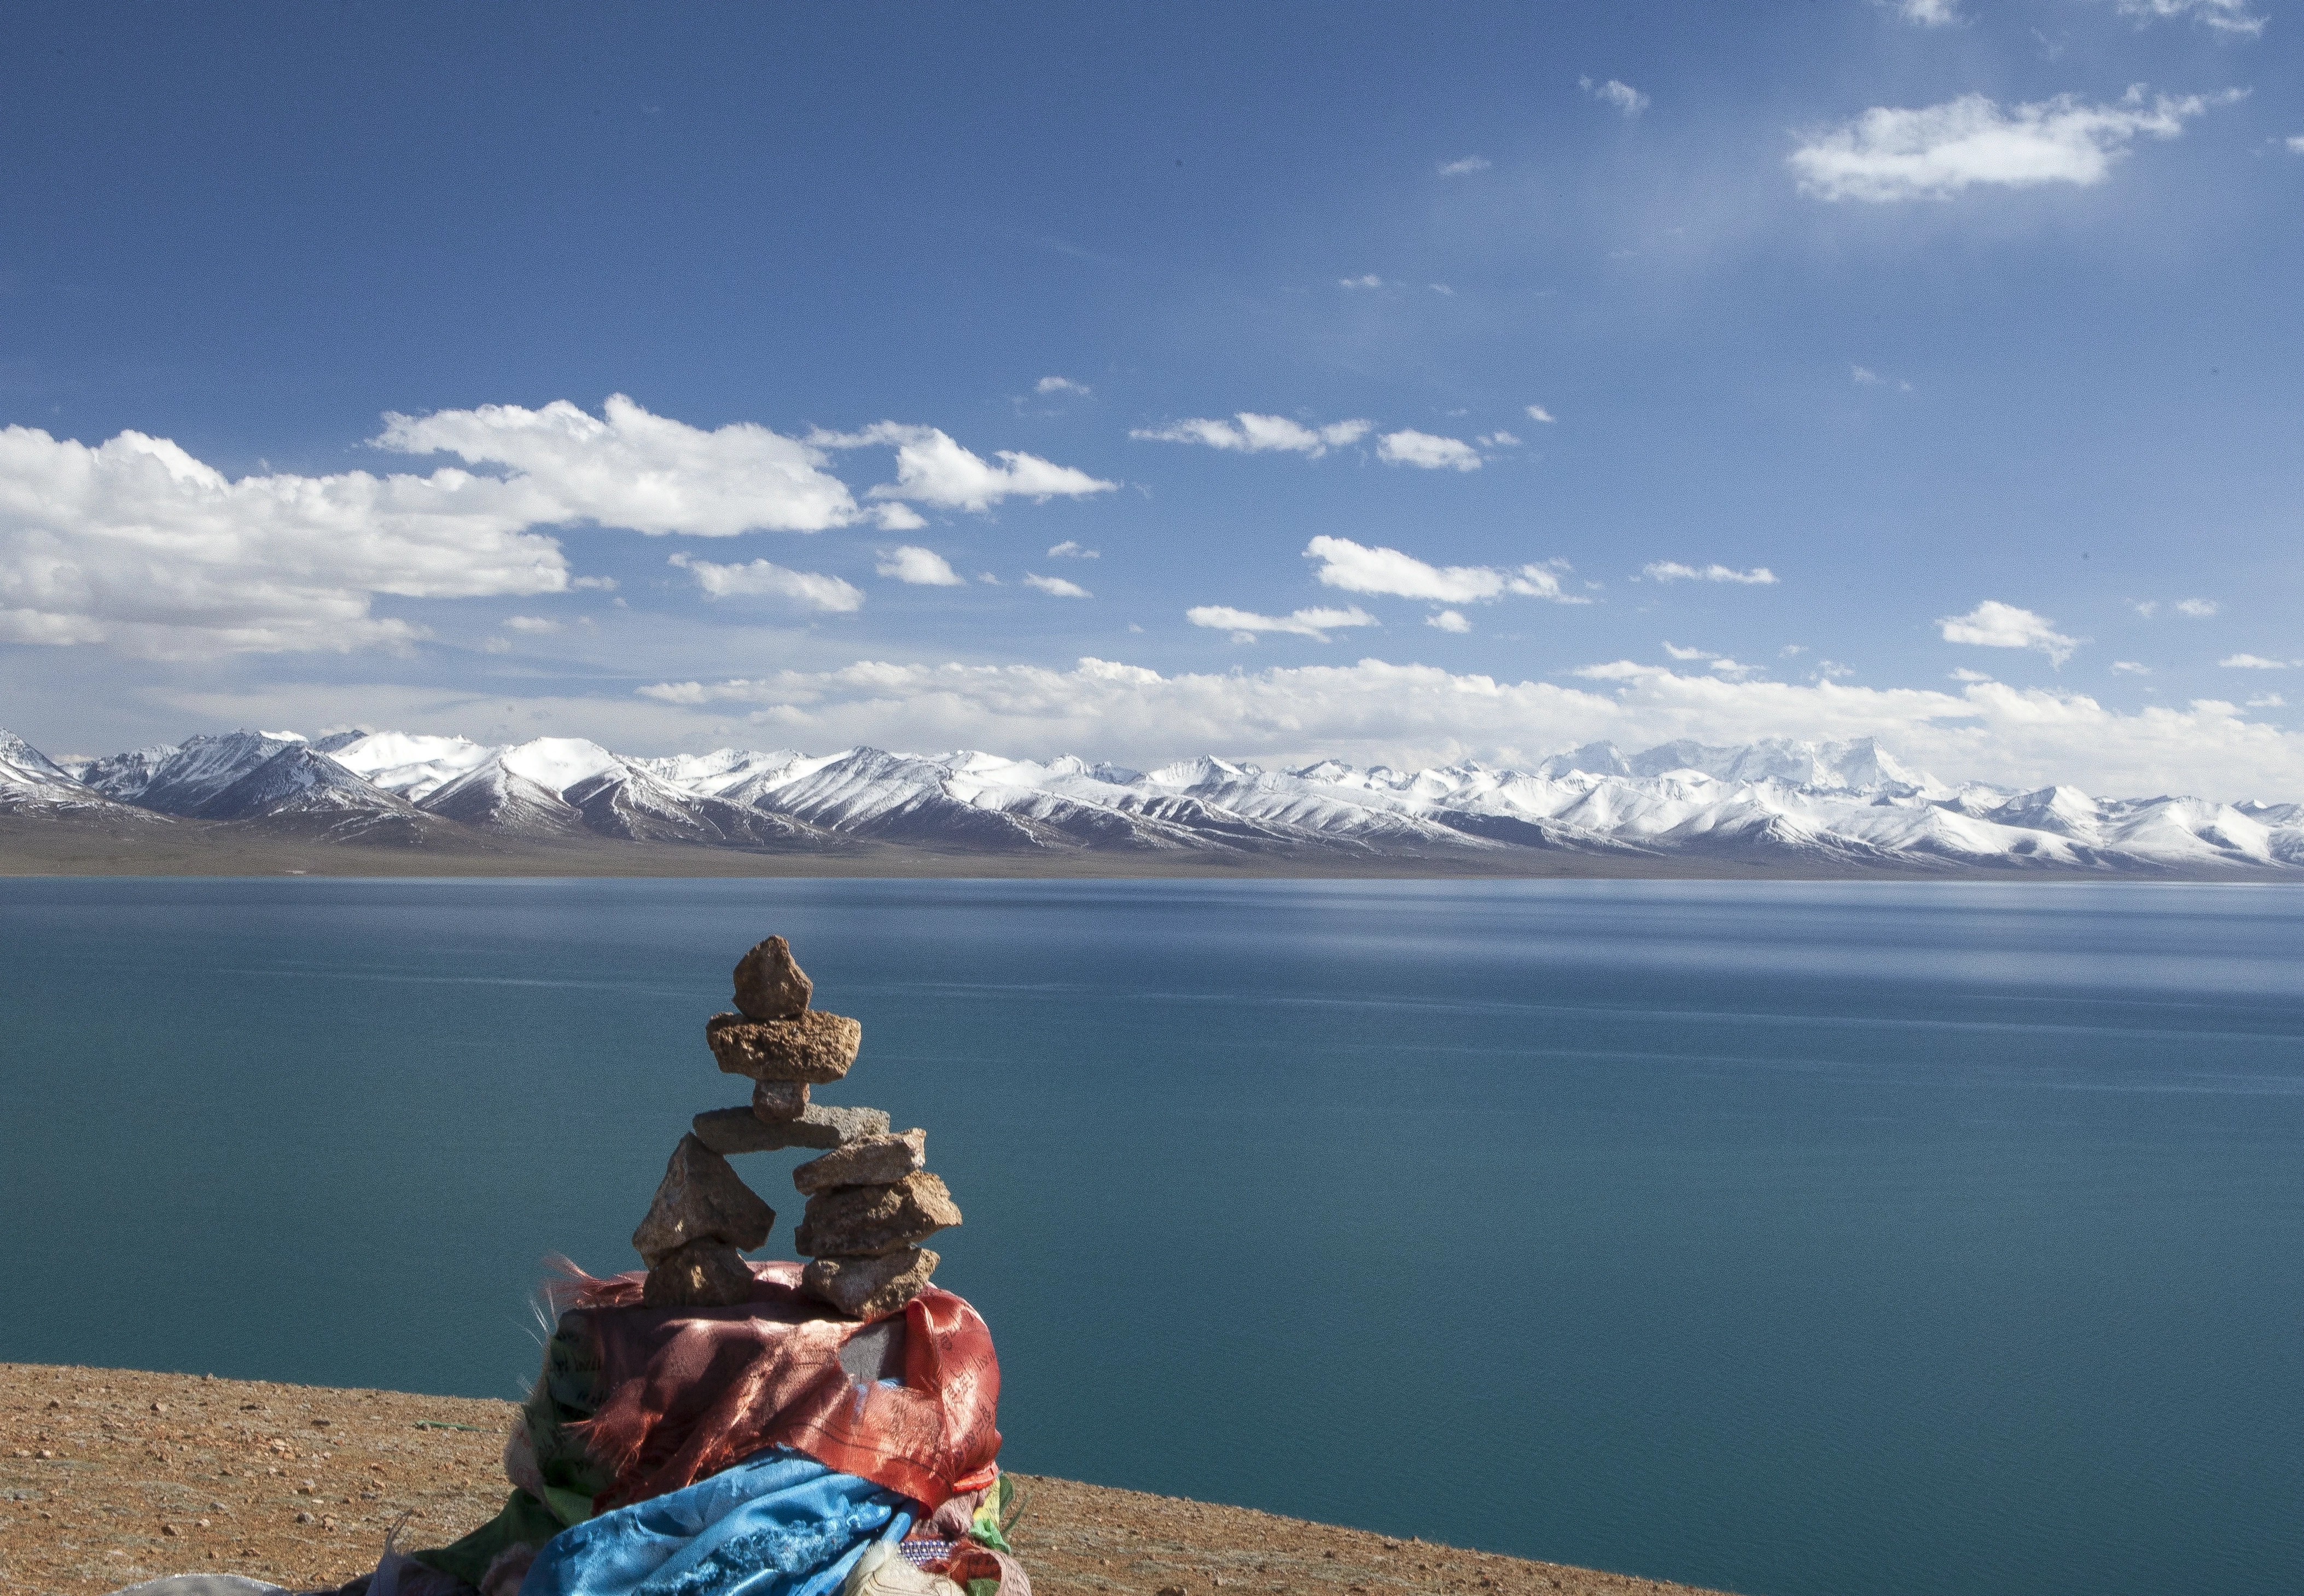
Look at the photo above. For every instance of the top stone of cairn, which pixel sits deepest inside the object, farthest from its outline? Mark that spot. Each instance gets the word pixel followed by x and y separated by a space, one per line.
pixel 769 986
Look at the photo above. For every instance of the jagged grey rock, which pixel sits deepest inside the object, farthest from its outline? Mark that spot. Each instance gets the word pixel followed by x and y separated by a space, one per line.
pixel 700 1199
pixel 729 1131
pixel 869 1160
pixel 768 984
pixel 861 1221
pixel 868 1288
pixel 703 1274
pixel 816 1046
pixel 780 1100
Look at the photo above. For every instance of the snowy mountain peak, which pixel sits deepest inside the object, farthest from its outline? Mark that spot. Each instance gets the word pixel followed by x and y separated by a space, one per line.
pixel 1826 805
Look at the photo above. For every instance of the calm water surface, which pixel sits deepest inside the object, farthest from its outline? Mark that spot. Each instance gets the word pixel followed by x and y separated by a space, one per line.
pixel 1794 1239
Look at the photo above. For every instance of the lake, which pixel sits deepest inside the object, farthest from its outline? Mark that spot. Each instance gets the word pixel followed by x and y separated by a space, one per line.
pixel 1791 1239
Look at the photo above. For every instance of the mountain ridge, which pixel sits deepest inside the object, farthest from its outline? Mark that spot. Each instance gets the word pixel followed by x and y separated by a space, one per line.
pixel 1840 807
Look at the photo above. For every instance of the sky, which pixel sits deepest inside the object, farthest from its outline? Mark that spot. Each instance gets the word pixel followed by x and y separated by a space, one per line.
pixel 1393 384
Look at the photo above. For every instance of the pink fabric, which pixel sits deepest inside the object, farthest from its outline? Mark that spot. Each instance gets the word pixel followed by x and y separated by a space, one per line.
pixel 688 1391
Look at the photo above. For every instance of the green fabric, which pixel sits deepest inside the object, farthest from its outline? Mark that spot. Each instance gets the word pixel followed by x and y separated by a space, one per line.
pixel 523 1521
pixel 986 1525
pixel 567 1390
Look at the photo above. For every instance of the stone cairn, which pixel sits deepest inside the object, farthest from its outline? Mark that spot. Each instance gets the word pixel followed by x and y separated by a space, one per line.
pixel 871 1201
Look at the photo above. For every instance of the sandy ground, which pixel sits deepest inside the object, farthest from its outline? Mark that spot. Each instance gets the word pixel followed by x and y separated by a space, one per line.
pixel 109 1476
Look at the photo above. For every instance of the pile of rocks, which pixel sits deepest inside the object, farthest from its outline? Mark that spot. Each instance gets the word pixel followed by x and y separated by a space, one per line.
pixel 871 1200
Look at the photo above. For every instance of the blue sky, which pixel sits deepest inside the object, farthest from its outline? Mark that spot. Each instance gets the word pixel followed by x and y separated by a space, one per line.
pixel 1974 326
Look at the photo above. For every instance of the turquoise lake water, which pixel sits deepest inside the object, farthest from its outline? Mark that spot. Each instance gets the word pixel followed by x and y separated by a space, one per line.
pixel 1796 1239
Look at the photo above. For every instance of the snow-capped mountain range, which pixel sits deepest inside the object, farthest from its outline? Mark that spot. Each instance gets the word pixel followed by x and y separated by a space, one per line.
pixel 1842 806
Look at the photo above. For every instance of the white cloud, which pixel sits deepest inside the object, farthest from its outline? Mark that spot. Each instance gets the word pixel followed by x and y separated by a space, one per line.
pixel 1673 570
pixel 2295 143
pixel 530 624
pixel 1929 13
pixel 1373 712
pixel 2252 662
pixel 1994 625
pixel 1938 151
pixel 1963 673
pixel 1409 447
pixel 1357 569
pixel 2199 608
pixel 1448 621
pixel 932 469
pixel 1459 168
pixel 136 545
pixel 2267 701
pixel 1245 624
pixel 1441 288
pixel 627 468
pixel 2130 668
pixel 2225 16
pixel 2146 608
pixel 1537 412
pixel 921 567
pixel 1248 432
pixel 1070 550
pixel 1058 585
pixel 1498 439
pixel 1677 653
pixel 1864 376
pixel 1061 384
pixel 1370 281
pixel 1626 98
pixel 761 579
pixel 2005 627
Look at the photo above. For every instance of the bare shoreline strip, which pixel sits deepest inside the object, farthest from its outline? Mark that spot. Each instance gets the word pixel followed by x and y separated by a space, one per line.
pixel 109 1476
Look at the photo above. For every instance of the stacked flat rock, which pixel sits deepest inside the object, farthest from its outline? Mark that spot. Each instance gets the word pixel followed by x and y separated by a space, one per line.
pixel 871 1200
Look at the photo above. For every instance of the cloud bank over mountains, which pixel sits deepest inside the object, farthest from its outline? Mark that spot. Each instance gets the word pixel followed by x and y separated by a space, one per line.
pixel 134 544
pixel 1374 712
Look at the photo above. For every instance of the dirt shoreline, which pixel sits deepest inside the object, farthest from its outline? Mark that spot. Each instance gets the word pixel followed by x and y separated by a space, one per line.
pixel 109 1476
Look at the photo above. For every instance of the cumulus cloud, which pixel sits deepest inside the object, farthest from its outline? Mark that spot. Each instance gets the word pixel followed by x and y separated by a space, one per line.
pixel 2199 608
pixel 1673 570
pixel 1935 152
pixel 1498 439
pixel 1448 621
pixel 1928 13
pixel 530 624
pixel 762 580
pixel 2130 668
pixel 1248 432
pixel 2295 144
pixel 1537 412
pixel 1357 569
pixel 2252 662
pixel 627 468
pixel 136 545
pixel 1057 586
pixel 1374 712
pixel 1070 550
pixel 1409 447
pixel 1994 625
pixel 1245 624
pixel 921 567
pixel 932 469
pixel 2225 16
pixel 1459 168
pixel 1626 98
pixel 1061 384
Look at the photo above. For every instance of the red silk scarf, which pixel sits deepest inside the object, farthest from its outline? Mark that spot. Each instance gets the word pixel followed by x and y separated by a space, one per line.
pixel 688 1391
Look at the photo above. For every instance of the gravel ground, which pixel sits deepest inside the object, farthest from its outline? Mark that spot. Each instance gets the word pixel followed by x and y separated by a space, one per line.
pixel 109 1476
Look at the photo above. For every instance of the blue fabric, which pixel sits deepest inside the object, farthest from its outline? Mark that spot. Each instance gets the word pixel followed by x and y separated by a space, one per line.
pixel 778 1524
